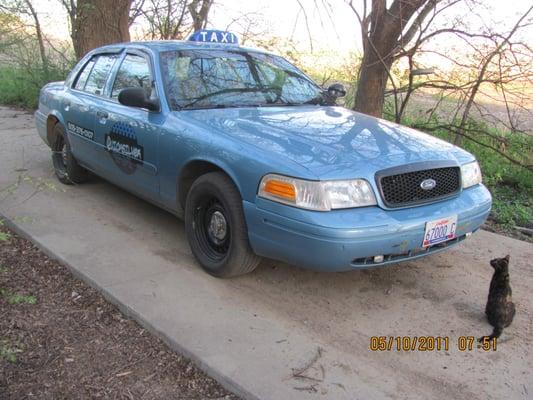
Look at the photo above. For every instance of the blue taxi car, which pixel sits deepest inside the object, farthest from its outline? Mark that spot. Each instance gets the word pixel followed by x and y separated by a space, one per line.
pixel 257 158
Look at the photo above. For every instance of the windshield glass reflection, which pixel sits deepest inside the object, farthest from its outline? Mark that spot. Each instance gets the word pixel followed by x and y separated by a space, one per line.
pixel 234 78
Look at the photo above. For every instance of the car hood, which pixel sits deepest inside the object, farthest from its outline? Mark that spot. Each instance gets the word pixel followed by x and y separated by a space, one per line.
pixel 331 142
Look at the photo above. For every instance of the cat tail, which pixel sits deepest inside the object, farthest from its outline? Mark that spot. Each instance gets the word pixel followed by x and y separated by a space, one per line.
pixel 497 331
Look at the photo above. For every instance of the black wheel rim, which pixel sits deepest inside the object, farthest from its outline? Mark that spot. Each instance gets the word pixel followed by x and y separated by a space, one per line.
pixel 60 155
pixel 212 229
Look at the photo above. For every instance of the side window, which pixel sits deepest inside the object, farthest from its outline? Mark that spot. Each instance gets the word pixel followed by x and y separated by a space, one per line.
pixel 84 74
pixel 98 76
pixel 134 72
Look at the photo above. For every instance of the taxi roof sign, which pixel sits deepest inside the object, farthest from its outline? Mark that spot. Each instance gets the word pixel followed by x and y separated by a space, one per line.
pixel 214 36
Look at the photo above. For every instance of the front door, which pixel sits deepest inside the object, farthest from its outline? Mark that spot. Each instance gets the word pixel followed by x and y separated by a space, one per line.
pixel 129 136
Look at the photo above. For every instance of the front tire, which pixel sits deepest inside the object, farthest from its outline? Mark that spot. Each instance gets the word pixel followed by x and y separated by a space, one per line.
pixel 216 228
pixel 67 169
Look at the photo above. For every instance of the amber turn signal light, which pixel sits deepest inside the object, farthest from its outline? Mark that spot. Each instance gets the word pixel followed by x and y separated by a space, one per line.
pixel 280 189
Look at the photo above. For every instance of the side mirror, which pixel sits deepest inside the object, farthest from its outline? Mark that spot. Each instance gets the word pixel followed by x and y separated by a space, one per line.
pixel 336 90
pixel 137 97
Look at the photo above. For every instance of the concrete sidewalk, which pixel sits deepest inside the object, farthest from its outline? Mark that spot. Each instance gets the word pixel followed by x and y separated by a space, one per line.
pixel 280 332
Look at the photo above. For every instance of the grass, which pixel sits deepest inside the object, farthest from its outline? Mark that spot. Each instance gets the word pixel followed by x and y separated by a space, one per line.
pixel 14 298
pixel 510 185
pixel 20 87
pixel 3 269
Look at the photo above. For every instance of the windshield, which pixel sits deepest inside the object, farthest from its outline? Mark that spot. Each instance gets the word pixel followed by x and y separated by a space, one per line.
pixel 233 78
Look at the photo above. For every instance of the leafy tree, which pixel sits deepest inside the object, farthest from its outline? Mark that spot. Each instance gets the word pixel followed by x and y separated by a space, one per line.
pixel 25 7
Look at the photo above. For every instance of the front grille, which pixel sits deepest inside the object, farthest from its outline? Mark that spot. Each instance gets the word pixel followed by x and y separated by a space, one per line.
pixel 405 189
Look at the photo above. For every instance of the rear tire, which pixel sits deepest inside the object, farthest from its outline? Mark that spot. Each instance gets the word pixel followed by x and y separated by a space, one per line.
pixel 216 228
pixel 67 169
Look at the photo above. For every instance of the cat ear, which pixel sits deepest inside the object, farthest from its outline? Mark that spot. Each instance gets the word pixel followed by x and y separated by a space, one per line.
pixel 506 258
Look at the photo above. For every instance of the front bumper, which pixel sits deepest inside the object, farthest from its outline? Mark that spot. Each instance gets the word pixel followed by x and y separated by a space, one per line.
pixel 343 240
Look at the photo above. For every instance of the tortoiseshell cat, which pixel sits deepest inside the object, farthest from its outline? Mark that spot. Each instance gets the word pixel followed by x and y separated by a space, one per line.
pixel 500 308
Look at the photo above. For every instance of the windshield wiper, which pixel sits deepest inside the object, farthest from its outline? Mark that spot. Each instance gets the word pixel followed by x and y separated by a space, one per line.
pixel 207 106
pixel 318 100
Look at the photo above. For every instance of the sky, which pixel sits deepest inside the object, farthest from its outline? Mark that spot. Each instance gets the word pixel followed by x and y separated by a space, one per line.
pixel 337 33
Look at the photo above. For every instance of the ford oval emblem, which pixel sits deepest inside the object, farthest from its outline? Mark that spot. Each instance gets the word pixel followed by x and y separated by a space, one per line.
pixel 428 184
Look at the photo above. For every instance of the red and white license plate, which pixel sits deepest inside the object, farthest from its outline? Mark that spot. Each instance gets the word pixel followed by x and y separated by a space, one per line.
pixel 440 230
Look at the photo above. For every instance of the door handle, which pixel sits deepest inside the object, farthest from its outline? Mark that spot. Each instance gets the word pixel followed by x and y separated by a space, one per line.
pixel 102 114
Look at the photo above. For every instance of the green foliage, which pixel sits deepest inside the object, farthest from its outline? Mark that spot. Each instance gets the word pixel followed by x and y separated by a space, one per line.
pixel 12 27
pixel 3 269
pixel 9 352
pixel 22 71
pixel 4 236
pixel 20 86
pixel 21 299
pixel 14 298
pixel 511 185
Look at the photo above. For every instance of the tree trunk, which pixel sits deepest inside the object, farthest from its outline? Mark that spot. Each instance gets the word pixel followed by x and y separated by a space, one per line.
pixel 199 15
pixel 100 22
pixel 373 76
pixel 39 33
pixel 382 37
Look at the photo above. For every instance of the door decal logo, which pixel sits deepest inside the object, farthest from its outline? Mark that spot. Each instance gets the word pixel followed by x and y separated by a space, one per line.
pixel 122 145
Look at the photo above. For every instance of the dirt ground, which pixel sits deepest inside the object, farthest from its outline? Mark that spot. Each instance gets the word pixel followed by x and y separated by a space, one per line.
pixel 60 339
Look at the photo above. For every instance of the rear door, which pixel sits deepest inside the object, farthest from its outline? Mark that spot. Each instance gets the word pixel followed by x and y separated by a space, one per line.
pixel 130 135
pixel 81 104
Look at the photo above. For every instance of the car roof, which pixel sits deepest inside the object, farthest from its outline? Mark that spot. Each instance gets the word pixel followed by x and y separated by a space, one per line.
pixel 169 45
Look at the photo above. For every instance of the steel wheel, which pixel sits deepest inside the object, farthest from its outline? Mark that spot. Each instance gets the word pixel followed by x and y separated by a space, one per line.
pixel 212 229
pixel 60 157
pixel 216 227
pixel 67 169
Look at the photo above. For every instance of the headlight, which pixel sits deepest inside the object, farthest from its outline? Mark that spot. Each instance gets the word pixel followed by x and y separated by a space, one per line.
pixel 470 174
pixel 317 195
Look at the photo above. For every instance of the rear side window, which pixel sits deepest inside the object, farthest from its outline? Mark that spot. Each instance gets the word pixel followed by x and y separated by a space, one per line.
pixel 94 75
pixel 84 74
pixel 133 72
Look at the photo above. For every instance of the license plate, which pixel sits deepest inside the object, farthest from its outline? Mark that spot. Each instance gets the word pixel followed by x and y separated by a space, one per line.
pixel 440 230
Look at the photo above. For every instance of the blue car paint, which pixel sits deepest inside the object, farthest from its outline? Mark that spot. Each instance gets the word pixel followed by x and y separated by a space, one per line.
pixel 308 141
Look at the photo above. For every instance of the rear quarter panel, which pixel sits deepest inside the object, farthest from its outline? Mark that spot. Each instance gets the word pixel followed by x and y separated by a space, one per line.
pixel 49 106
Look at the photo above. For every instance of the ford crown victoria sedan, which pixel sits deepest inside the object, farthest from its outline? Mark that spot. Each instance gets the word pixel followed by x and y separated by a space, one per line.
pixel 257 158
